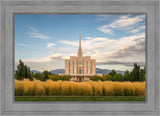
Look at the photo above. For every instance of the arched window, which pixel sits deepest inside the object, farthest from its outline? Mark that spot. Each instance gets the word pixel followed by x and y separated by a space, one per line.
pixel 80 63
pixel 80 71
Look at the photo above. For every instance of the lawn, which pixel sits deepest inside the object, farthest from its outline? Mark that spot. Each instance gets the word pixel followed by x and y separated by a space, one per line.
pixel 80 98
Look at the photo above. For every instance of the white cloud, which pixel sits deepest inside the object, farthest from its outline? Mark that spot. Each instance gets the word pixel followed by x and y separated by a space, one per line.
pixel 105 29
pixel 39 35
pixel 123 23
pixel 50 45
pixel 137 29
pixel 88 38
pixel 100 47
pixel 34 33
pixel 42 60
pixel 104 50
pixel 31 28
pixel 69 42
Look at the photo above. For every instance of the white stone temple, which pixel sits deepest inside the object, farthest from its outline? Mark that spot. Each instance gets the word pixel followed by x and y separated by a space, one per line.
pixel 80 67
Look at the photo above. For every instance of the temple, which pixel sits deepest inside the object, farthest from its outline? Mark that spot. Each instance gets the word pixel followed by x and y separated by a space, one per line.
pixel 80 67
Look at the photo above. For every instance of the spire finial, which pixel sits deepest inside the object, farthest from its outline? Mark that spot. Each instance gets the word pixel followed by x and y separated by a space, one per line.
pixel 80 53
pixel 80 41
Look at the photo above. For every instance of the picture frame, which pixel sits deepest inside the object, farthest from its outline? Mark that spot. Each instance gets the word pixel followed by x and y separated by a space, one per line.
pixel 10 7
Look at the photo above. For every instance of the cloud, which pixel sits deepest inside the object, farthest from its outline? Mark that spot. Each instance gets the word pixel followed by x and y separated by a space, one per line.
pixel 131 50
pixel 57 56
pixel 106 49
pixel 126 21
pixel 39 35
pixel 123 23
pixel 46 59
pixel 73 43
pixel 55 61
pixel 88 38
pixel 142 64
pixel 137 29
pixel 50 45
pixel 105 29
pixel 31 28
pixel 34 33
pixel 107 52
pixel 42 60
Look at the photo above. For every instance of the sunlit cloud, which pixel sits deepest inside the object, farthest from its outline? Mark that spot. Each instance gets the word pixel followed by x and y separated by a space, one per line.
pixel 50 45
pixel 109 51
pixel 106 51
pixel 69 42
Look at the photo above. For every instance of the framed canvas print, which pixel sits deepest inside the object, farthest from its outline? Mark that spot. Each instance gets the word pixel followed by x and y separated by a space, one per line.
pixel 79 57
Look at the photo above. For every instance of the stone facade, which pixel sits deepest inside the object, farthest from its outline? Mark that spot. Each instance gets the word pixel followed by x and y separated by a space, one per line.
pixel 80 67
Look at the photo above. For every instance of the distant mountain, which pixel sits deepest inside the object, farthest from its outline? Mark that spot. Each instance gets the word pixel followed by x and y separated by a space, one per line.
pixel 106 71
pixel 35 71
pixel 102 71
pixel 98 70
pixel 57 71
pixel 122 72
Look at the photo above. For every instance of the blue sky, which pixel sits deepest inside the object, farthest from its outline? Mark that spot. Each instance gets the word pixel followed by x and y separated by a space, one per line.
pixel 43 42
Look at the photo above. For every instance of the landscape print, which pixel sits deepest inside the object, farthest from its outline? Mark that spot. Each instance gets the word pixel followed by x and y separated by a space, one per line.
pixel 79 57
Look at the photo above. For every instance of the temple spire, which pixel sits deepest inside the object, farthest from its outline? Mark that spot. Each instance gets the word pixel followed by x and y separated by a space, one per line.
pixel 80 53
pixel 80 42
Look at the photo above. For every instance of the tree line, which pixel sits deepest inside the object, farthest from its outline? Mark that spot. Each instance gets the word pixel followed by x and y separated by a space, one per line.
pixel 137 74
pixel 23 71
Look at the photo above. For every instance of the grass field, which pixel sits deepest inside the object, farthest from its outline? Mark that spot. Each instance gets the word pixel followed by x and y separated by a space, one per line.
pixel 68 88
pixel 79 98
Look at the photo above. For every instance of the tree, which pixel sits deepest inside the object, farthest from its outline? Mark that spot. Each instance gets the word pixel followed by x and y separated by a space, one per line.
pixel 95 78
pixel 118 77
pixel 22 71
pixel 142 74
pixel 135 73
pixel 45 73
pixel 38 76
pixel 112 73
pixel 127 76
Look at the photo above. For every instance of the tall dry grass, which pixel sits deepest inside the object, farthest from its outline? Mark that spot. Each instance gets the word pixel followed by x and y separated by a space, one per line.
pixel 67 88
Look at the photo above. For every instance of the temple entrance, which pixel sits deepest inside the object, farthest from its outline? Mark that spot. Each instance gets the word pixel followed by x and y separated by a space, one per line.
pixel 80 79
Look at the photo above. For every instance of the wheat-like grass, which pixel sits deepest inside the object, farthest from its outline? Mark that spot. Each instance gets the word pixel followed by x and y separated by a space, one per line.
pixel 67 88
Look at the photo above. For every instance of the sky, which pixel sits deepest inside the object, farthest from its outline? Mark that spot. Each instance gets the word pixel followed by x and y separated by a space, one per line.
pixel 44 41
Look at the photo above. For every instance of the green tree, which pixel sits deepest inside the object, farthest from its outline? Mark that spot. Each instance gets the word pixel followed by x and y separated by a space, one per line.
pixel 59 77
pixel 45 73
pixel 112 73
pixel 135 73
pixel 142 75
pixel 22 71
pixel 118 77
pixel 95 78
pixel 108 77
pixel 38 76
